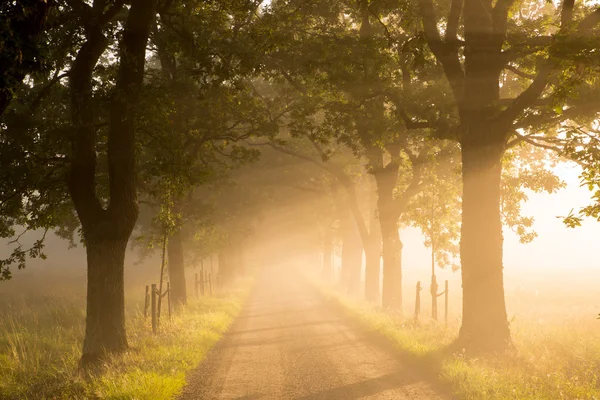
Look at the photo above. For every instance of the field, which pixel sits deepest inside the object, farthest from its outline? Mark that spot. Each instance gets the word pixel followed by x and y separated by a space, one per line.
pixel 41 332
pixel 556 338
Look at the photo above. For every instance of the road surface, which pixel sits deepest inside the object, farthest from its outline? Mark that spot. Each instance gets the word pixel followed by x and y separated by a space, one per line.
pixel 288 343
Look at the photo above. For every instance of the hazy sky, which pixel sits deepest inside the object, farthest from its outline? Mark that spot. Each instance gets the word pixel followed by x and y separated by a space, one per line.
pixel 556 247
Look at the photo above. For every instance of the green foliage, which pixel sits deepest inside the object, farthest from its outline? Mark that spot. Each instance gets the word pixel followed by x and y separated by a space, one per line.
pixel 582 145
pixel 436 209
pixel 526 169
pixel 21 45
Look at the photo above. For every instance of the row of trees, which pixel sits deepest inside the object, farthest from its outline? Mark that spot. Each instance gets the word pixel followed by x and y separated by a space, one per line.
pixel 169 104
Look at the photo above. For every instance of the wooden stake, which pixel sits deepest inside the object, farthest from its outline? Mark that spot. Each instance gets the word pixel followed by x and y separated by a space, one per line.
pixel 154 319
pixel 418 302
pixel 146 301
pixel 169 297
pixel 162 270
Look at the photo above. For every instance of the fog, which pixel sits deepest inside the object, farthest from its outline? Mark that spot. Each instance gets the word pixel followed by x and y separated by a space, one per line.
pixel 555 276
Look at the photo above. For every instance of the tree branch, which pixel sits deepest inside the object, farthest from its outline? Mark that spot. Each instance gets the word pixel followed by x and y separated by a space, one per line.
pixel 500 16
pixel 453 20
pixel 518 72
pixel 445 53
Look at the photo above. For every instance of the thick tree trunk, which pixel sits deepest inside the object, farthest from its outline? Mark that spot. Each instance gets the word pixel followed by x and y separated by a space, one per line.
pixel 484 325
pixel 392 264
pixel 105 319
pixel 351 260
pixel 391 249
pixel 373 260
pixel 177 270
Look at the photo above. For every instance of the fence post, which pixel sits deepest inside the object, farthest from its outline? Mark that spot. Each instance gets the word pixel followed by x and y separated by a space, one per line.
pixel 196 284
pixel 169 297
pixel 154 322
pixel 446 303
pixel 210 283
pixel 418 301
pixel 146 301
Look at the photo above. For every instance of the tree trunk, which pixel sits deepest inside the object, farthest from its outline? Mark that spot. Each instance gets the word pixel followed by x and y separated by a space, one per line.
pixel 107 230
pixel 484 324
pixel 105 319
pixel 373 258
pixel 392 264
pixel 351 259
pixel 177 270
pixel 389 214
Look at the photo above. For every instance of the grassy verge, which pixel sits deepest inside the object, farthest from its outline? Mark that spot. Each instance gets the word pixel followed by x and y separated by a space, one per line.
pixel 40 345
pixel 551 362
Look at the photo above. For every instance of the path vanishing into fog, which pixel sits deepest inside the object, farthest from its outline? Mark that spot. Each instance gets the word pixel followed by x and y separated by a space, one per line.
pixel 288 343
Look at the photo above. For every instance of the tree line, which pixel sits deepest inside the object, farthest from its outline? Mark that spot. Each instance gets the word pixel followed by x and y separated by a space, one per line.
pixel 181 122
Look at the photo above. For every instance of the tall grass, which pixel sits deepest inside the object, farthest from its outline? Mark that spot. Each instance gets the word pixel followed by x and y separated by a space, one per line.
pixel 41 337
pixel 553 359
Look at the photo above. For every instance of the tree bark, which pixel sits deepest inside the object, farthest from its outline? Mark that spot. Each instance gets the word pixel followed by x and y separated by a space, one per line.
pixel 177 270
pixel 392 264
pixel 373 256
pixel 105 319
pixel 484 324
pixel 389 214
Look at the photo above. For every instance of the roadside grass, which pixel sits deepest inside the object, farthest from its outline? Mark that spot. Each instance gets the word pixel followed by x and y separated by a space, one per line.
pixel 552 360
pixel 41 337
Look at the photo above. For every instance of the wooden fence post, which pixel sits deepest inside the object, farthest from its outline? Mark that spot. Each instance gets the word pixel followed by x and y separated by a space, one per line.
pixel 169 297
pixel 146 301
pixel 446 303
pixel 418 302
pixel 210 283
pixel 154 322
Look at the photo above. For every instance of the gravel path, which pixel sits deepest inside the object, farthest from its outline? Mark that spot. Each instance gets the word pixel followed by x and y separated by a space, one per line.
pixel 289 344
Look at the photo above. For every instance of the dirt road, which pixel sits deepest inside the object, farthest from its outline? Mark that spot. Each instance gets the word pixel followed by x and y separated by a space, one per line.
pixel 289 344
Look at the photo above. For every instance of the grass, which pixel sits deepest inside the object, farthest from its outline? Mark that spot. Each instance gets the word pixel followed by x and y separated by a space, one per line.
pixel 552 361
pixel 40 346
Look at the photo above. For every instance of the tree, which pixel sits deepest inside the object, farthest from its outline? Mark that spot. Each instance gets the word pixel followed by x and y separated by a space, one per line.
pixel 351 93
pixel 107 222
pixel 437 209
pixel 198 108
pixel 480 43
pixel 336 163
